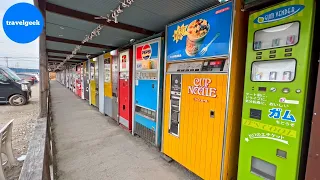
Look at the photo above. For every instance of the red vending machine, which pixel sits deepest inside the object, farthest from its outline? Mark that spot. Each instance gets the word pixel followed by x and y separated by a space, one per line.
pixel 78 81
pixel 125 89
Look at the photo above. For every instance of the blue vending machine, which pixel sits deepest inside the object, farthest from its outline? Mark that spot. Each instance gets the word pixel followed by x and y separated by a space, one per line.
pixel 147 90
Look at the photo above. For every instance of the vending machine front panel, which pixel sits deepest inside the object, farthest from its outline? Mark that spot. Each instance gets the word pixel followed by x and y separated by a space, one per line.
pixel 125 89
pixel 96 80
pixel 275 93
pixel 78 80
pixel 205 56
pixel 115 80
pixel 108 85
pixel 148 63
pixel 92 83
pixel 86 80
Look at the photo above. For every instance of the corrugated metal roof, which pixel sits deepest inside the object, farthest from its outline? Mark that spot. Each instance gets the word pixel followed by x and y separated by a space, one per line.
pixel 155 14
pixel 148 14
pixel 75 29
pixel 96 7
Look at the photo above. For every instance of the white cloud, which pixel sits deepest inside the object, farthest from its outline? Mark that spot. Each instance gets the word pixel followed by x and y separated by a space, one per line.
pixel 9 48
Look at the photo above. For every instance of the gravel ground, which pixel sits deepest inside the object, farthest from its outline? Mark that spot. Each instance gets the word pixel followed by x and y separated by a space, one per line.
pixel 23 125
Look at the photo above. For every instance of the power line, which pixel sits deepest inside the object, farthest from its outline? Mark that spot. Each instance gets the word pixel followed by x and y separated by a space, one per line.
pixel 19 60
pixel 21 57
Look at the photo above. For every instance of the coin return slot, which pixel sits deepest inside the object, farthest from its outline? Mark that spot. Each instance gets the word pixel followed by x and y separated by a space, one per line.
pixel 255 114
pixel 282 154
pixel 263 169
pixel 147 113
pixel 211 114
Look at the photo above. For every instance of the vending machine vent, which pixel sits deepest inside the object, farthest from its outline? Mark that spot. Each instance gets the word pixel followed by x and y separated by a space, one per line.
pixel 145 133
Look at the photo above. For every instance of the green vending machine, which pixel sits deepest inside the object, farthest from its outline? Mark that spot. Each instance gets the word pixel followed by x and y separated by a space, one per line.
pixel 276 87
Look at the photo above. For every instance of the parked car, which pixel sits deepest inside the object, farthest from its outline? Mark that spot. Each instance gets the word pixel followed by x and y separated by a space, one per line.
pixel 13 89
pixel 37 77
pixel 28 77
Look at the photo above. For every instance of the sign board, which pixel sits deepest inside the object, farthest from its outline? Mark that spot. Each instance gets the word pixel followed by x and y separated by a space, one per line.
pixel 201 36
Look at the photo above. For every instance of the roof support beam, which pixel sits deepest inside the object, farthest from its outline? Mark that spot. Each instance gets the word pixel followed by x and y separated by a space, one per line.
pixel 60 57
pixel 69 41
pixel 67 52
pixel 91 18
pixel 57 60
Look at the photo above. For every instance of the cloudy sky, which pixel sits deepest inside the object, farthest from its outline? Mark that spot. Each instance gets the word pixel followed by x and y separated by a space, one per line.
pixel 16 52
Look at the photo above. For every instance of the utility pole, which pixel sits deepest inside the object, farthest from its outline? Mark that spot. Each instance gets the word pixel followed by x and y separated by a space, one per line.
pixel 43 64
pixel 7 61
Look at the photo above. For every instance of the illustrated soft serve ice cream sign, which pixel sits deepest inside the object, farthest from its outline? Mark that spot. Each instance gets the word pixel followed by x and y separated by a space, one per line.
pixel 278 14
pixel 204 35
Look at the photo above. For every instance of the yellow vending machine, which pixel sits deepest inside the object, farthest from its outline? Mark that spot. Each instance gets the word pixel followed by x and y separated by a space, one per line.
pixel 108 84
pixel 93 84
pixel 205 61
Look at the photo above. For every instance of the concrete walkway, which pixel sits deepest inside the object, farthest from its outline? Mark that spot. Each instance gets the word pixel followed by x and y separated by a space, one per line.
pixel 91 146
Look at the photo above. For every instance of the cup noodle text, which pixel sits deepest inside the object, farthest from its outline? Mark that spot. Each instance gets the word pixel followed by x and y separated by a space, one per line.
pixel 201 87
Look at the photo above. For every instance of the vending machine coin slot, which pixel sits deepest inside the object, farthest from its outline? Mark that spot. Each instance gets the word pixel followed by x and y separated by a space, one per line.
pixel 264 89
pixel 263 168
pixel 255 114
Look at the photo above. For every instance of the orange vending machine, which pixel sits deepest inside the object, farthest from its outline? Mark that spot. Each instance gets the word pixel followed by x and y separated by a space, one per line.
pixel 205 59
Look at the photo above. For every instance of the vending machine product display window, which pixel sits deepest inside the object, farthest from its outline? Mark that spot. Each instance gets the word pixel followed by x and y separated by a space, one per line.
pixel 278 36
pixel 204 71
pixel 277 76
pixel 274 70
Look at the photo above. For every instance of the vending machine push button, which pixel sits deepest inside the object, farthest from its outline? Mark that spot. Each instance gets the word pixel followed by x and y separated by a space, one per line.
pixel 298 91
pixel 273 89
pixel 286 90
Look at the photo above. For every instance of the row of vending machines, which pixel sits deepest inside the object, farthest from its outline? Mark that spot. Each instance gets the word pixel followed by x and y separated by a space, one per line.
pixel 225 93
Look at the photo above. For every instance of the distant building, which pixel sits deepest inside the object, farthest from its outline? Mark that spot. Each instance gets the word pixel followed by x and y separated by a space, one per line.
pixel 23 70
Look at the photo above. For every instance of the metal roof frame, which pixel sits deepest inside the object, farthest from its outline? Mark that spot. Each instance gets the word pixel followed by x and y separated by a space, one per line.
pixel 67 23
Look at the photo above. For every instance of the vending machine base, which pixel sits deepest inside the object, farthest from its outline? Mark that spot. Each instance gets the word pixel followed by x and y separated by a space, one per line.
pixel 115 108
pixel 108 108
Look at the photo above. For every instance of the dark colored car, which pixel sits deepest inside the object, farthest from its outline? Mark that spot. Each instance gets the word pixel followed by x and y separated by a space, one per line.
pixel 28 77
pixel 13 90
